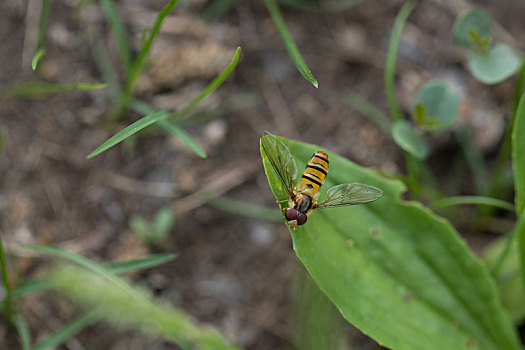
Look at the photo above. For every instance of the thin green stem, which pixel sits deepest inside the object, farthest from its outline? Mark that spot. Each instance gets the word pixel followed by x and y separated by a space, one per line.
pixel 413 175
pixel 506 147
pixel 5 281
pixel 391 58
pixel 478 200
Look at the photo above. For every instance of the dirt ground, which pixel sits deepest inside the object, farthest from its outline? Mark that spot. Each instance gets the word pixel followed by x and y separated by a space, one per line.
pixel 237 274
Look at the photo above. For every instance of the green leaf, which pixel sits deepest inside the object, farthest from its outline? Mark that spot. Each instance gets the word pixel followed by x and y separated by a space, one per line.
pixel 36 58
pixel 39 88
pixel 40 285
pixel 289 43
pixel 471 29
pixel 142 228
pixel 163 222
pixel 518 156
pixel 508 276
pixel 409 140
pixel 23 332
pixel 494 66
pixel 370 111
pixel 244 208
pixel 391 58
pixel 66 332
pixel 441 106
pixel 139 263
pixel 119 31
pixel 123 305
pixel 478 200
pixel 395 270
pixel 129 131
pixel 182 135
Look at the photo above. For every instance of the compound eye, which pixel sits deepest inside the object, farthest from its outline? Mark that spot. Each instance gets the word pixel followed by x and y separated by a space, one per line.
pixel 291 214
pixel 301 218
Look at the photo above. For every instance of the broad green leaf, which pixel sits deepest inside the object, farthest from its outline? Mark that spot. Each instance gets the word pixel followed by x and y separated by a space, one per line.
pixel 395 270
pixel 471 29
pixel 440 104
pixel 518 156
pixel 494 66
pixel 289 43
pixel 409 140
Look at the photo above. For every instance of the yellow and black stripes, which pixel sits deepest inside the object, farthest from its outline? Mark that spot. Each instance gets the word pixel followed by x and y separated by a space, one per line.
pixel 315 172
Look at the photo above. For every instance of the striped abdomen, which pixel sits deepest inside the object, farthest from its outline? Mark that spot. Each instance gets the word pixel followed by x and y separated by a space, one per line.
pixel 315 172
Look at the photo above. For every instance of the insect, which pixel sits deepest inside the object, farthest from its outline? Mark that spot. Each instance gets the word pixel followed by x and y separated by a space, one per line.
pixel 302 199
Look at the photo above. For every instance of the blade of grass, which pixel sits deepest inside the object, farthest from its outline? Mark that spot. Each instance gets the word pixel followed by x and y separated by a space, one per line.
pixel 321 6
pixel 184 111
pixel 8 307
pixel 505 151
pixel 474 159
pixel 67 331
pixel 160 115
pixel 140 263
pixel 103 62
pixel 37 57
pixel 289 43
pixel 42 30
pixel 518 152
pixel 40 285
pixel 120 33
pixel 129 130
pixel 478 200
pixel 217 8
pixel 391 58
pixel 138 63
pixel 23 332
pixel 86 263
pixel 39 88
pixel 124 305
pixel 246 209
pixel 370 111
pixel 176 130
pixel 184 137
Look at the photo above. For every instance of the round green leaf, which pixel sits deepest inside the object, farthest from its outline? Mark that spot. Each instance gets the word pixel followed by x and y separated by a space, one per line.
pixel 441 106
pixel 472 29
pixel 394 269
pixel 494 66
pixel 409 140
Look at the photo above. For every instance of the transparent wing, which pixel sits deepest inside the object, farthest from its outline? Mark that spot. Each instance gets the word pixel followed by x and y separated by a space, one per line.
pixel 281 159
pixel 350 194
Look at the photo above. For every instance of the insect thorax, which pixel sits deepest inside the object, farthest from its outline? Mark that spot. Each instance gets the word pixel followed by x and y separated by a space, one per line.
pixel 304 200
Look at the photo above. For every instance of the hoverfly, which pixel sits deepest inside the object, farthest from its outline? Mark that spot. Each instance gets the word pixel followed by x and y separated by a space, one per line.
pixel 302 199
